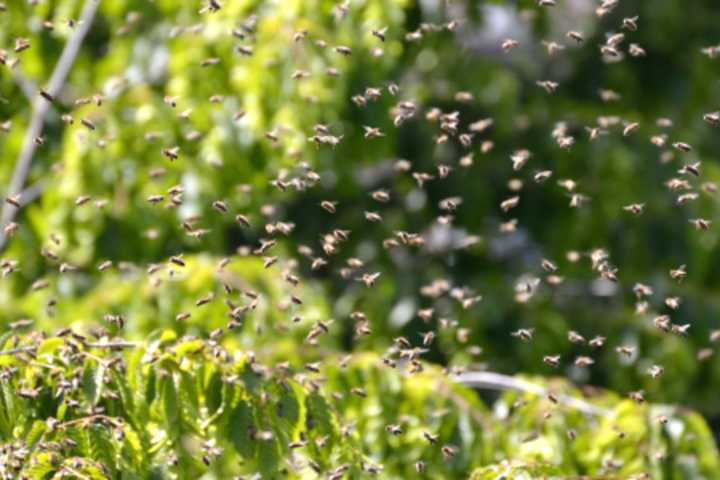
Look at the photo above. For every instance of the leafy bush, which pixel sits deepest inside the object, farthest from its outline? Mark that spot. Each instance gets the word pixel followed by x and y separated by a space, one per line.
pixel 183 407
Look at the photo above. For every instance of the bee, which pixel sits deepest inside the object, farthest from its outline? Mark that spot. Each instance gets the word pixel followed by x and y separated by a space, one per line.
pixel 630 23
pixel 220 206
pixel 635 208
pixel 371 132
pixel 712 118
pixel 524 334
pixel 373 216
pixel 509 44
pixel 583 361
pixel 701 223
pixel 553 47
pixel 21 44
pixel 575 35
pixel 548 265
pixel 552 360
pixel 630 128
pixel 171 153
pixel 681 330
pixel 205 300
pixel 548 85
pixel 655 371
pixel 610 51
pixel 636 50
pixel 625 350
pixel 208 62
pixel 637 396
pixel 245 50
pixel 343 50
pixel 692 168
pixel 380 33
pixel 449 451
pixel 575 337
pixel 46 95
pixel 380 196
pixel 369 279
pixel 682 146
pixel 509 204
pixel 13 200
pixel 329 206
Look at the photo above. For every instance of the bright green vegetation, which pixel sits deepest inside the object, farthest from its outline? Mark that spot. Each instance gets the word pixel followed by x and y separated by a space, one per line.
pixel 147 332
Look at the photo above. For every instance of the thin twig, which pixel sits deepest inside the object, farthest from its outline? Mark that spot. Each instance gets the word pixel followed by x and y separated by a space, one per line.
pixel 91 419
pixel 15 351
pixel 497 381
pixel 114 344
pixel 40 108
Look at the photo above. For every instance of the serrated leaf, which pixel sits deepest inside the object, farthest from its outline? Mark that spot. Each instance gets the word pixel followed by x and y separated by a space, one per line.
pixel 242 420
pixel 171 409
pixel 92 382
pixel 39 471
pixel 36 432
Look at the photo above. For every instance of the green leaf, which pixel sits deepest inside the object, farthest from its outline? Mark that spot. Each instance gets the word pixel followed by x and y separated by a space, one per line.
pixel 170 406
pixel 36 432
pixel 242 420
pixel 50 345
pixel 93 382
pixel 40 471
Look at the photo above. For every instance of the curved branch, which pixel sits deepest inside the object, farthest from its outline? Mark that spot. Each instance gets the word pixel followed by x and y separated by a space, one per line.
pixel 497 381
pixel 40 108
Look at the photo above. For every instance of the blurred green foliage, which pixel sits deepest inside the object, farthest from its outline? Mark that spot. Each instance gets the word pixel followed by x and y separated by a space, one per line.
pixel 138 52
pixel 176 407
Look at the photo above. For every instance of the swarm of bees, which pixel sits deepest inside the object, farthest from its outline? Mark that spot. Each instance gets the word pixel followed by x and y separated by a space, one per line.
pixel 449 127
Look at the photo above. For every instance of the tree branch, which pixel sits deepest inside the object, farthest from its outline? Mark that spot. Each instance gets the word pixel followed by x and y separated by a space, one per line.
pixel 497 381
pixel 26 85
pixel 40 108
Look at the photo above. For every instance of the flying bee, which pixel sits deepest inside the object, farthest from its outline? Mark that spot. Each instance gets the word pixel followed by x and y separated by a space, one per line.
pixel 638 396
pixel 371 132
pixel 552 360
pixel 712 118
pixel 343 50
pixel 630 23
pixel 583 361
pixel 509 204
pixel 369 279
pixel 692 168
pixel 381 196
pixel 524 334
pixel 575 35
pixel 171 153
pixel 329 206
pixel 701 223
pixel 634 208
pixel 678 273
pixel 509 44
pixel 575 337
pixel 636 50
pixel 625 350
pixel 553 47
pixel 630 128
pixel 682 146
pixel 548 85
